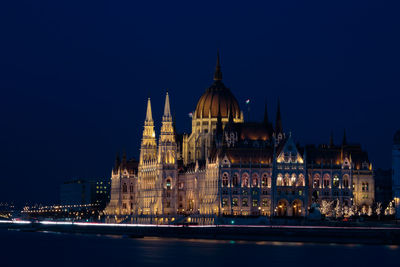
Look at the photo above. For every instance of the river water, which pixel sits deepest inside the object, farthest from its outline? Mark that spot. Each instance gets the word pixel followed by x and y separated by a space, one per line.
pixel 56 249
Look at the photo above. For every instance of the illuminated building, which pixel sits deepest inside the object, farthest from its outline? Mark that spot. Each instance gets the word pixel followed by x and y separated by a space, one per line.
pixel 227 166
pixel 396 172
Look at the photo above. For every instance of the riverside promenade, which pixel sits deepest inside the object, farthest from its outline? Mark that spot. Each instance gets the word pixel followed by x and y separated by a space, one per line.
pixel 280 233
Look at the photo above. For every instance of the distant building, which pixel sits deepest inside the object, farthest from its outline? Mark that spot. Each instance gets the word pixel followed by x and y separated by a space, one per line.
pixel 396 172
pixel 229 167
pixel 102 194
pixel 83 192
pixel 383 186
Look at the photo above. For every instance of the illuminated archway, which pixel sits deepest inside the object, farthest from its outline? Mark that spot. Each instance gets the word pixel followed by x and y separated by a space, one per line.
pixel 281 209
pixel 296 208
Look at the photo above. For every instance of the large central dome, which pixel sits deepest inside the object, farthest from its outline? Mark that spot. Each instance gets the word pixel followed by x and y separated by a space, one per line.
pixel 217 98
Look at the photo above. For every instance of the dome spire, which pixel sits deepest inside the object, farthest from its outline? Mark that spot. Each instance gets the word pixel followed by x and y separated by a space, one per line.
pixel 149 116
pixel 218 73
pixel 167 109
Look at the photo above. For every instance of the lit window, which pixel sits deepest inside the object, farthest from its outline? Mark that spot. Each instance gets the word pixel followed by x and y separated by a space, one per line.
pixel 335 181
pixel 168 183
pixel 245 180
pixel 235 202
pixel 255 180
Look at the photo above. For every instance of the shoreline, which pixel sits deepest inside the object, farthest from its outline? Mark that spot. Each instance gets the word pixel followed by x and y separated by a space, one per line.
pixel 278 233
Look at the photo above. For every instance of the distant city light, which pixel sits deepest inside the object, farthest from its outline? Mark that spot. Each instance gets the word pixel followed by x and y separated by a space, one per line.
pixel 247 101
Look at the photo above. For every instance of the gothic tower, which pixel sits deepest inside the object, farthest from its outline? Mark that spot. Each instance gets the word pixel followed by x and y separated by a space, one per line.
pixel 167 162
pixel 149 201
pixel 149 146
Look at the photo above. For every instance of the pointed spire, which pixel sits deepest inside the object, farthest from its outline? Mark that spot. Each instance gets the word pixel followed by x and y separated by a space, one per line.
pixel 167 109
pixel 149 116
pixel 331 144
pixel 218 73
pixel 266 113
pixel 344 141
pixel 278 122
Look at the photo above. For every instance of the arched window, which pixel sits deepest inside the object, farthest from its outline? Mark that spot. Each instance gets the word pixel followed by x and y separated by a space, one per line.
pixel 255 180
pixel 293 179
pixel 301 180
pixel 286 180
pixel 245 202
pixel 245 180
pixel 235 181
pixel 225 180
pixel 279 180
pixel 131 188
pixel 124 188
pixel 363 187
pixel 346 181
pixel 316 181
pixel 327 180
pixel 264 180
pixel 336 181
pixel 168 184
pixel 366 187
pixel 224 202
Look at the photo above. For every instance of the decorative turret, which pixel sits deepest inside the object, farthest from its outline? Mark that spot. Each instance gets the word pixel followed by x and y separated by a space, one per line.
pixel 149 146
pixel 218 72
pixel 167 143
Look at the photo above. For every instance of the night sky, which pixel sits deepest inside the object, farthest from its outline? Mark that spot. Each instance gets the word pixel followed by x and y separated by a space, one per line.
pixel 75 76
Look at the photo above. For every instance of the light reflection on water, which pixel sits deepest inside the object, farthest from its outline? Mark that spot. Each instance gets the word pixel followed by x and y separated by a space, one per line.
pixel 113 250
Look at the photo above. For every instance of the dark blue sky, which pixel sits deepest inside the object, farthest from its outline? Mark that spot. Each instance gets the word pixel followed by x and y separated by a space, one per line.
pixel 75 76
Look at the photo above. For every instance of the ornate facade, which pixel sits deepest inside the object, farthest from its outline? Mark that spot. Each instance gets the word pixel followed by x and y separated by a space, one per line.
pixel 227 166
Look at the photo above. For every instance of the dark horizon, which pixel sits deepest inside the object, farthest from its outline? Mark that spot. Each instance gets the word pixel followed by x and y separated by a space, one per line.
pixel 75 78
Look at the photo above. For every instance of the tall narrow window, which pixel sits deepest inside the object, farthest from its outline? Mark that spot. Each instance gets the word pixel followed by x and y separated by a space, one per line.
pixel 235 181
pixel 225 180
pixel 245 180
pixel 124 188
pixel 301 180
pixel 264 180
pixel 255 180
pixel 293 180
pixel 279 180
pixel 316 181
pixel 327 180
pixel 346 181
